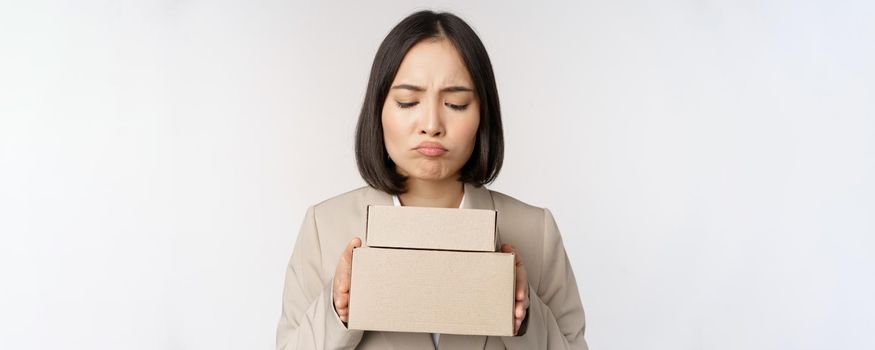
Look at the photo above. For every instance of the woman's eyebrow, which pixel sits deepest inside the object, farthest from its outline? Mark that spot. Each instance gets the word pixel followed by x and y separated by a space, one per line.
pixel 454 88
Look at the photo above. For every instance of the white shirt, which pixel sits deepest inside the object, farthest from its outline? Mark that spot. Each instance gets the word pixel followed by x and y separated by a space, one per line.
pixel 435 337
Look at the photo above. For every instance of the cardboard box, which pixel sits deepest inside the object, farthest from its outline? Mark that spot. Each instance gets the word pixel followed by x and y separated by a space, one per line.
pixel 450 292
pixel 431 228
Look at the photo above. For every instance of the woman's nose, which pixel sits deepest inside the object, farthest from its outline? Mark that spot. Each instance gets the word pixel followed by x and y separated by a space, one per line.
pixel 432 123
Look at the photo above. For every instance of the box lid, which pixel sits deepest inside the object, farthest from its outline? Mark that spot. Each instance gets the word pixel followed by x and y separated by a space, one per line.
pixel 431 228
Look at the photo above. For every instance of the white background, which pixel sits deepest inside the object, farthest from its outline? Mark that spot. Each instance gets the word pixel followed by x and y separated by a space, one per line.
pixel 710 163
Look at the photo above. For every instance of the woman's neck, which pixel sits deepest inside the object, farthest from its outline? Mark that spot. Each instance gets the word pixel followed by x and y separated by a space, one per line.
pixel 440 194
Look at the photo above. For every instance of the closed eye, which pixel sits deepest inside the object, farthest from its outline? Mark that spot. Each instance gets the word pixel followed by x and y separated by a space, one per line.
pixel 457 107
pixel 406 104
pixel 453 106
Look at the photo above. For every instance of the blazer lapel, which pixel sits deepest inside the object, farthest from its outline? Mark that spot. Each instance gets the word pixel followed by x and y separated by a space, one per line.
pixel 477 198
pixel 374 196
pixel 481 198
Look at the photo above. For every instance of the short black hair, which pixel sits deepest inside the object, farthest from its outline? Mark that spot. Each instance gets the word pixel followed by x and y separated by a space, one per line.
pixel 373 161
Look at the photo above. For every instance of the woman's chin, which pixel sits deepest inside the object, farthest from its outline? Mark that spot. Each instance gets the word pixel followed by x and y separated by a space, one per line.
pixel 431 174
pixel 428 170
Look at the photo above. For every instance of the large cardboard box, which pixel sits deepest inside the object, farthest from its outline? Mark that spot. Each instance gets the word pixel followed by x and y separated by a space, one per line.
pixel 431 228
pixel 406 290
pixel 432 270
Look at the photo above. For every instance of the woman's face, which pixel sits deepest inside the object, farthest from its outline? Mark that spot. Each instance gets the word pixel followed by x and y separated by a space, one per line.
pixel 431 114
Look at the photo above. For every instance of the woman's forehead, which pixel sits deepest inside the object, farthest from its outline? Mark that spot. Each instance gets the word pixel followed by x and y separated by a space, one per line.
pixel 433 63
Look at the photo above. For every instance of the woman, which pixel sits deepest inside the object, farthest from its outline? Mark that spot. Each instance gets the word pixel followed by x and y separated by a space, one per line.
pixel 429 135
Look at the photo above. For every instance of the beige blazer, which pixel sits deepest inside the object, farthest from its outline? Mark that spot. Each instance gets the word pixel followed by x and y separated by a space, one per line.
pixel 555 319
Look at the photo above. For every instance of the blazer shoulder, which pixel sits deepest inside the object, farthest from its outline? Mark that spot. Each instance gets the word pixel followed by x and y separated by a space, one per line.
pixel 343 201
pixel 340 218
pixel 516 207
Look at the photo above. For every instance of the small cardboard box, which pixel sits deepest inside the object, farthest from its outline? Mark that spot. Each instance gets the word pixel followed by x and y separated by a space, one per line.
pixel 451 292
pixel 431 228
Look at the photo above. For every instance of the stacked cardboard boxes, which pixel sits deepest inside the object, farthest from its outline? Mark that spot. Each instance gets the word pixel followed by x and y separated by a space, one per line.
pixel 433 270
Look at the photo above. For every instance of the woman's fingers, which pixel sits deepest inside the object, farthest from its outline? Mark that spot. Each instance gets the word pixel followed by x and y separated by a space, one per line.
pixel 519 315
pixel 343 312
pixel 347 253
pixel 519 271
pixel 344 267
pixel 345 264
pixel 522 286
pixel 521 296
pixel 341 300
pixel 342 279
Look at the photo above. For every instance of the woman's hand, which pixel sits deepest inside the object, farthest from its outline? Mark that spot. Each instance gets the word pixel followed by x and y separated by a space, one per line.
pixel 342 278
pixel 521 295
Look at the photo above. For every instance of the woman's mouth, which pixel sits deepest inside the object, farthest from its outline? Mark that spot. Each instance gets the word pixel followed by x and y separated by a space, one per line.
pixel 430 149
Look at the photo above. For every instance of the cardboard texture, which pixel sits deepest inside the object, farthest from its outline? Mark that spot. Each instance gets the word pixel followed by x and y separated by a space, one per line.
pixel 432 270
pixel 431 228
pixel 404 290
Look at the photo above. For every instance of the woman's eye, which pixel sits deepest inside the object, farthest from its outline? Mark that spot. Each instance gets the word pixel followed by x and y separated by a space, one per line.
pixel 406 104
pixel 457 107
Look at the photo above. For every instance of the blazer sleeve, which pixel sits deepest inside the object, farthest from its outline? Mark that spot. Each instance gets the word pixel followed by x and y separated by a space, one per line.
pixel 555 319
pixel 308 319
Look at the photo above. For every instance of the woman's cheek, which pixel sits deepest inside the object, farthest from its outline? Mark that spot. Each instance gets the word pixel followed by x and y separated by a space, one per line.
pixel 394 150
pixel 390 137
pixel 470 132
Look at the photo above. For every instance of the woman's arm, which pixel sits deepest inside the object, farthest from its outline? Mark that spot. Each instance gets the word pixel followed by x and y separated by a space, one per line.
pixel 308 319
pixel 555 319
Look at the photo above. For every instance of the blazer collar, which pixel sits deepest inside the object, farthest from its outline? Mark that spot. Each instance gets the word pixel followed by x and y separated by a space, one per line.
pixel 475 197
